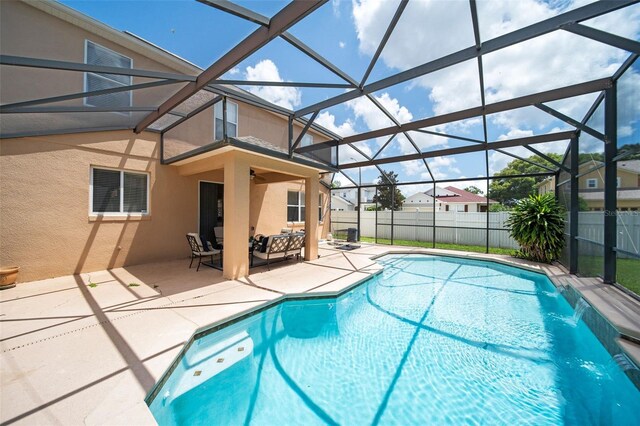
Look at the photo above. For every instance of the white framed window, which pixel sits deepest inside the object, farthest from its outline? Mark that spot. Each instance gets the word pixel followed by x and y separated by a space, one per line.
pixel 592 183
pixel 94 54
pixel 118 192
pixel 232 120
pixel 295 206
pixel 307 140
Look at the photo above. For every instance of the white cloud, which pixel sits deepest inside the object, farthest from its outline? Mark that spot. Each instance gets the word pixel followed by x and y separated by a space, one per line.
pixel 342 44
pixel 335 5
pixel 443 167
pixel 498 161
pixel 373 117
pixel 234 71
pixel 515 133
pixel 479 183
pixel 266 70
pixel 554 60
pixel 328 120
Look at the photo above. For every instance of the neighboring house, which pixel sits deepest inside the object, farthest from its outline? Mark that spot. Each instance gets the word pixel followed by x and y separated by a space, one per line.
pixel 340 204
pixel 591 185
pixel 420 201
pixel 351 195
pixel 447 199
pixel 82 192
pixel 547 185
pixel 462 201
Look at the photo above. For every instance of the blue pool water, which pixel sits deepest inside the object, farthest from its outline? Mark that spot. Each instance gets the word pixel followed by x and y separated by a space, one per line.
pixel 431 340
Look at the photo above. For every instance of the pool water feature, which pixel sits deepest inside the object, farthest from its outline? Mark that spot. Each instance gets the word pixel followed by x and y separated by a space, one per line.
pixel 430 340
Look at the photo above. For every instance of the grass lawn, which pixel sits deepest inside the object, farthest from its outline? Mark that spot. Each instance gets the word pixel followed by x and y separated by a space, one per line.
pixel 628 274
pixel 627 270
pixel 428 244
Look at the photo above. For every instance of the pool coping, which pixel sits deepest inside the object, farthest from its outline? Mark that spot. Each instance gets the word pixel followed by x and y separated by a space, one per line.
pixel 516 263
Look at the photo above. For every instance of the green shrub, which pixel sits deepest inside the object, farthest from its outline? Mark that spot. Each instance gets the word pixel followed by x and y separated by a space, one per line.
pixel 537 224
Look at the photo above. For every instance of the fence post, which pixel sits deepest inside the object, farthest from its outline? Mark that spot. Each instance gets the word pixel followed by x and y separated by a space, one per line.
pixel 574 205
pixel 393 207
pixel 359 208
pixel 610 184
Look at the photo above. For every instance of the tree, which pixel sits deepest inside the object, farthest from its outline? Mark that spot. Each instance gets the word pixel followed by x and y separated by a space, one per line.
pixel 388 193
pixel 537 224
pixel 474 190
pixel 585 157
pixel 582 205
pixel 499 208
pixel 336 184
pixel 508 190
pixel 630 151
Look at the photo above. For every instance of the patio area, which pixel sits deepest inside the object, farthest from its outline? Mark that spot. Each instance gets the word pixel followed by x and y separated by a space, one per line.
pixel 77 349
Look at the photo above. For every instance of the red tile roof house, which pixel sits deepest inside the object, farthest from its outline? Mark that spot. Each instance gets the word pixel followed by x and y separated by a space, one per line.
pixel 450 199
pixel 462 201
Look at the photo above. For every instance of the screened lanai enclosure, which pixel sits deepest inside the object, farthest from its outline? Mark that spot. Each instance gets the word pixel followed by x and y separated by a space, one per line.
pixel 499 99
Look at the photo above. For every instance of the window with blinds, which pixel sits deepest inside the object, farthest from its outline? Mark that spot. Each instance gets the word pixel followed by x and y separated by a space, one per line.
pixel 295 206
pixel 98 55
pixel 232 120
pixel 117 191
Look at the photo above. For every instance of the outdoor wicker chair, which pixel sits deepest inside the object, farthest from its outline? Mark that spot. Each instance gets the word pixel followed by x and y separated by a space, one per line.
pixel 198 251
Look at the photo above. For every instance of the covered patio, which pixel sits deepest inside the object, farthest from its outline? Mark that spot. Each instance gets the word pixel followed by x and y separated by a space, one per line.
pixel 241 166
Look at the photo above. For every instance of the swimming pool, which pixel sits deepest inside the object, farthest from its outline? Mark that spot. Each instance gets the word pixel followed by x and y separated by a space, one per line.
pixel 430 340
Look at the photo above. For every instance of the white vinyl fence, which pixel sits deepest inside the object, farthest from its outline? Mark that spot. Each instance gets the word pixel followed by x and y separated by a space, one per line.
pixel 451 227
pixel 458 227
pixel 591 227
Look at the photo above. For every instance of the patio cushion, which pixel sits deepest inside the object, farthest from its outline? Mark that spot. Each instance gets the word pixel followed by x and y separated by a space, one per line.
pixel 270 256
pixel 263 245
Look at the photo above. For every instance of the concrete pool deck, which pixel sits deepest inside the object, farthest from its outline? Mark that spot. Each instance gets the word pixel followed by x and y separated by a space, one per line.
pixel 86 349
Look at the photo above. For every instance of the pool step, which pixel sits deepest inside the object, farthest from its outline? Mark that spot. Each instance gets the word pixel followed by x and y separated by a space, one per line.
pixel 631 349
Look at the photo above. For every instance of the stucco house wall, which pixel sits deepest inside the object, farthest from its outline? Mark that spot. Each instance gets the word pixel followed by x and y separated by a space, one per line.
pixel 46 226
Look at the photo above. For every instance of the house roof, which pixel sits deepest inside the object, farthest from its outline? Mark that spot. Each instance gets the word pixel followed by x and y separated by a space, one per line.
pixel 253 144
pixel 630 165
pixel 344 200
pixel 84 122
pixel 441 192
pixel 463 196
pixel 545 181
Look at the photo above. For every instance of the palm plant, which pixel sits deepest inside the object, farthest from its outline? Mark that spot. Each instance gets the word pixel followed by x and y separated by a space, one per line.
pixel 537 224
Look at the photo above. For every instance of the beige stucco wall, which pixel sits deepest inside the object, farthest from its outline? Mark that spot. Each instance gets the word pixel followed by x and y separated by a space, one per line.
pixel 58 39
pixel 45 223
pixel 269 208
pixel 46 227
pixel 252 121
pixel 627 179
pixel 547 185
pixel 28 31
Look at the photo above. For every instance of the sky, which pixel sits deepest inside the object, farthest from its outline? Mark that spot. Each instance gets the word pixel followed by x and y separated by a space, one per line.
pixel 348 32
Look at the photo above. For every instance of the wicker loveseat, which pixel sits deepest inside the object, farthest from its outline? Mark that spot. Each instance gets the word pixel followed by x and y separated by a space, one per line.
pixel 280 246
